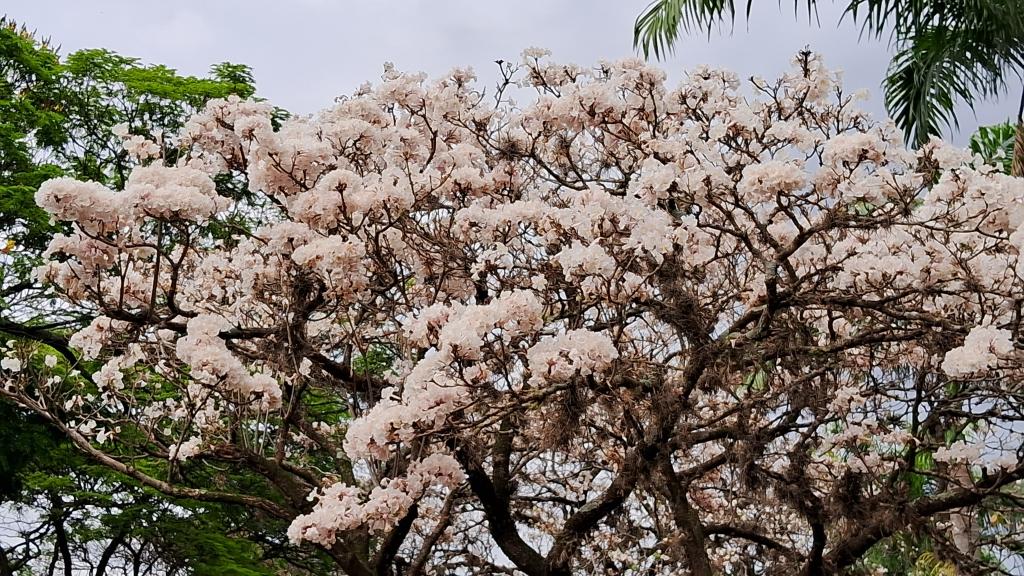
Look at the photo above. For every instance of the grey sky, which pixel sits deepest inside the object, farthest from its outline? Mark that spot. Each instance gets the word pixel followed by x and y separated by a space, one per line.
pixel 306 52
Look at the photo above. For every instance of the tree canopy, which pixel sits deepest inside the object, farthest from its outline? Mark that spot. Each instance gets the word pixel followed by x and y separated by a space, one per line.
pixel 621 328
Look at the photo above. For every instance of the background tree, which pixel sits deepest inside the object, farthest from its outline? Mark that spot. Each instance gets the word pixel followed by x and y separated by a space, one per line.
pixel 946 52
pixel 61 511
pixel 28 70
pixel 995 144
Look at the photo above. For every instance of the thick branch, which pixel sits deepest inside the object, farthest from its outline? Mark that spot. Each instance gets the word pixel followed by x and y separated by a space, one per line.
pixel 84 445
pixel 850 550
pixel 686 519
pixel 499 518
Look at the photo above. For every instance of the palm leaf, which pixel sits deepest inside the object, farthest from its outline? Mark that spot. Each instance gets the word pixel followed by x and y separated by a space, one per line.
pixel 898 17
pixel 657 28
pixel 946 52
pixel 924 82
pixel 965 58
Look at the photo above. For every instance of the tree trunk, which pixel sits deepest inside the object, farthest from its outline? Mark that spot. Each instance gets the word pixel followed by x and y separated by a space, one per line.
pixel 1018 151
pixel 1017 168
pixel 62 543
pixel 5 563
pixel 108 553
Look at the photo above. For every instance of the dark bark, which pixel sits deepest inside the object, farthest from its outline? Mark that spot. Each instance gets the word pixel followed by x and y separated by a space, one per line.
pixel 686 519
pixel 416 568
pixel 389 548
pixel 1017 167
pixel 885 524
pixel 61 536
pixel 108 553
pixel 6 569
pixel 499 517
pixel 559 559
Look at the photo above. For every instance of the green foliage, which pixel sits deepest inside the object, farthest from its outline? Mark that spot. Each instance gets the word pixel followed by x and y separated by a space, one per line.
pixel 758 379
pixel 64 111
pixel 925 80
pixel 374 362
pixel 233 79
pixel 26 442
pixel 951 52
pixel 905 554
pixel 863 208
pixel 202 542
pixel 918 479
pixel 27 224
pixel 995 144
pixel 27 75
pixel 99 89
pixel 928 564
pixel 657 29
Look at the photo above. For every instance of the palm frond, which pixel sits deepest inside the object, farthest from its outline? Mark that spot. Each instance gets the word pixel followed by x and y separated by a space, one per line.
pixel 658 27
pixel 946 52
pixel 965 58
pixel 899 17
pixel 928 564
pixel 925 80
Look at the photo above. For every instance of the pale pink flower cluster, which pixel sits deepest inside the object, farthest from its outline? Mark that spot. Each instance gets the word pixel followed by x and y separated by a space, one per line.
pixel 206 353
pixel 90 253
pixel 342 194
pixel 110 375
pixel 434 388
pixel 850 149
pixel 186 449
pixel 228 127
pixel 982 349
pixel 137 146
pixel 430 393
pixel 575 353
pixel 10 364
pixel 589 260
pixel 341 507
pixel 462 330
pixel 172 193
pixel 338 261
pixel 959 451
pixel 151 192
pixel 93 206
pixel 91 339
pixel 765 181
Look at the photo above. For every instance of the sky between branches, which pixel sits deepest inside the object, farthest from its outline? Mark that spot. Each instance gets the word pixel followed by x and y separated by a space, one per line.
pixel 306 52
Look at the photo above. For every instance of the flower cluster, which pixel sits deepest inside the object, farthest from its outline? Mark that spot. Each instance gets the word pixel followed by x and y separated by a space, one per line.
pixel 981 350
pixel 210 361
pixel 342 507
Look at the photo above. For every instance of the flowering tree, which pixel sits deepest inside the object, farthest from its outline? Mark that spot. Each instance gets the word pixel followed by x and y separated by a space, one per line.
pixel 621 329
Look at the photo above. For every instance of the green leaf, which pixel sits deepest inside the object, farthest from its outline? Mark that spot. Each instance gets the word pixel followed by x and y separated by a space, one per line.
pixel 995 144
pixel 758 379
pixel 375 362
pixel 924 462
pixel 945 52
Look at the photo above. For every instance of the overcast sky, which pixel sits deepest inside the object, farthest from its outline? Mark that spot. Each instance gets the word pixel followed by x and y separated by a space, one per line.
pixel 306 52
